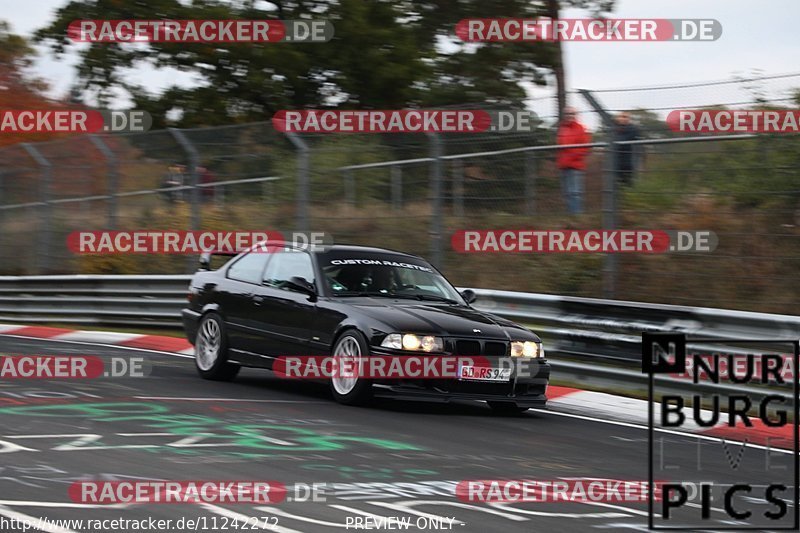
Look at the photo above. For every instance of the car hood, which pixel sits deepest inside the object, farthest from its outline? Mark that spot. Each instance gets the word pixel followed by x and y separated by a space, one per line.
pixel 445 320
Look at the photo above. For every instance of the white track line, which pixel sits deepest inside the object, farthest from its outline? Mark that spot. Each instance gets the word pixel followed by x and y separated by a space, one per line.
pixel 223 399
pixel 661 430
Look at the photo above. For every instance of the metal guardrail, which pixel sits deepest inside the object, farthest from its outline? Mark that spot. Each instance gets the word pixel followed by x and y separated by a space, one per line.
pixel 141 301
pixel 634 382
pixel 611 329
pixel 579 327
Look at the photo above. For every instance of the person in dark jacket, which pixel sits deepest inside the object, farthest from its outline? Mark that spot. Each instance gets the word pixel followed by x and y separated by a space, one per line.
pixel 625 161
pixel 571 162
pixel 175 177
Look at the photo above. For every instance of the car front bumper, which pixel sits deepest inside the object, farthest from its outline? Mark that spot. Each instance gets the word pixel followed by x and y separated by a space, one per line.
pixel 528 390
pixel 407 392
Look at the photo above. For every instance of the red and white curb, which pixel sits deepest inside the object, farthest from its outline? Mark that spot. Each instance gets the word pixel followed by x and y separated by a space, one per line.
pixel 129 340
pixel 597 405
pixel 634 411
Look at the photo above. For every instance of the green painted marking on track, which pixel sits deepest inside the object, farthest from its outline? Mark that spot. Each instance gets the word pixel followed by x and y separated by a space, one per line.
pixel 236 435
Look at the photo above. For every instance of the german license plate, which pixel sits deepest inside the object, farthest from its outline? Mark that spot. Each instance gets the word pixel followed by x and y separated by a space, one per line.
pixel 483 373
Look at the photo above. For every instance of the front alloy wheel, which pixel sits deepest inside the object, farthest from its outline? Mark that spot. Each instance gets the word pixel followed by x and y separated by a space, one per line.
pixel 211 350
pixel 350 352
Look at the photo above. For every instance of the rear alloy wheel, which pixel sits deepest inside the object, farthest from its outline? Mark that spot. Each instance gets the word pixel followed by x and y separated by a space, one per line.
pixel 351 351
pixel 506 408
pixel 211 350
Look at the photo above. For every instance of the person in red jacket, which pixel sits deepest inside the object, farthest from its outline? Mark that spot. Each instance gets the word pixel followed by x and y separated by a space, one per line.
pixel 571 162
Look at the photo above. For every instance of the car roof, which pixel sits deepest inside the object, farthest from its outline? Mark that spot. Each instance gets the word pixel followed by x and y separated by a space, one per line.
pixel 345 248
pixel 368 249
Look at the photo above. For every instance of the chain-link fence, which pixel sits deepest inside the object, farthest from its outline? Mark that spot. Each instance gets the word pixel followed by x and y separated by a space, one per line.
pixel 411 192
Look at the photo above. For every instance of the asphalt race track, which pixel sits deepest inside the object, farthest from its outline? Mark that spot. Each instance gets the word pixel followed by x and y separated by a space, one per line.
pixel 396 459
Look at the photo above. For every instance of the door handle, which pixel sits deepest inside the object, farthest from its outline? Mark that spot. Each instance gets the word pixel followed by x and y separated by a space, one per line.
pixel 258 300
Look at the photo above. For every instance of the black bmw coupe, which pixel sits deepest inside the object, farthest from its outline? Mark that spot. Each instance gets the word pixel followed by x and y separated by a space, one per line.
pixel 358 302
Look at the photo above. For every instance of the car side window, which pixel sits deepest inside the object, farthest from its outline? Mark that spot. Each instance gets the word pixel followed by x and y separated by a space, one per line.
pixel 285 265
pixel 249 268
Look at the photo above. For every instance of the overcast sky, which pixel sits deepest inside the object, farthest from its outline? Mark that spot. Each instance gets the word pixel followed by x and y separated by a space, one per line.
pixel 757 37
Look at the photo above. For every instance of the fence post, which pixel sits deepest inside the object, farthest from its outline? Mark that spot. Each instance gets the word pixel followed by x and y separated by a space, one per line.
pixel 349 187
pixel 609 193
pixel 435 231
pixel 530 183
pixel 112 185
pixel 194 192
pixel 45 192
pixel 194 162
pixel 302 197
pixel 219 195
pixel 267 192
pixel 458 187
pixel 397 187
pixel 610 217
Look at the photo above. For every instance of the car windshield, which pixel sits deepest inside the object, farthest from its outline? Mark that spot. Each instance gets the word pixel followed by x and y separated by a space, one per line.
pixel 392 277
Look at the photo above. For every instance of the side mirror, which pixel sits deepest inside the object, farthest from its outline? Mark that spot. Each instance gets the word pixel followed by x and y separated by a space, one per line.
pixel 205 261
pixel 301 284
pixel 469 295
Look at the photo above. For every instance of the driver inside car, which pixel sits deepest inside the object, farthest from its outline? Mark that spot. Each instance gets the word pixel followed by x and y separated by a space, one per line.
pixel 366 279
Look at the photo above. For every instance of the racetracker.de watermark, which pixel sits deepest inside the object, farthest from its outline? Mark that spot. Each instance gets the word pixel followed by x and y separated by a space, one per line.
pixel 193 242
pixel 584 490
pixel 73 121
pixel 178 492
pixel 732 121
pixel 72 367
pixel 406 121
pixel 201 31
pixel 465 368
pixel 160 491
pixel 382 121
pixel 587 30
pixel 582 241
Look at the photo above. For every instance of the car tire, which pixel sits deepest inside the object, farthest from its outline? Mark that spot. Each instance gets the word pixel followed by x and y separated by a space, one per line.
pixel 351 390
pixel 506 408
pixel 211 350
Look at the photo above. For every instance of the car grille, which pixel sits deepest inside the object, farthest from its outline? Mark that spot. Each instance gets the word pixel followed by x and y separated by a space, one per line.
pixel 495 348
pixel 468 348
pixel 479 347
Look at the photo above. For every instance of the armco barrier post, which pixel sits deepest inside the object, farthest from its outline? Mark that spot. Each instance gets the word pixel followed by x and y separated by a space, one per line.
pixel 112 185
pixel 303 185
pixel 46 208
pixel 435 230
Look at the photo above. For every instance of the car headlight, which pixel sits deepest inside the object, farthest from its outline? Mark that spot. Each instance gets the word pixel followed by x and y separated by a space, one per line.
pixel 526 349
pixel 414 343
